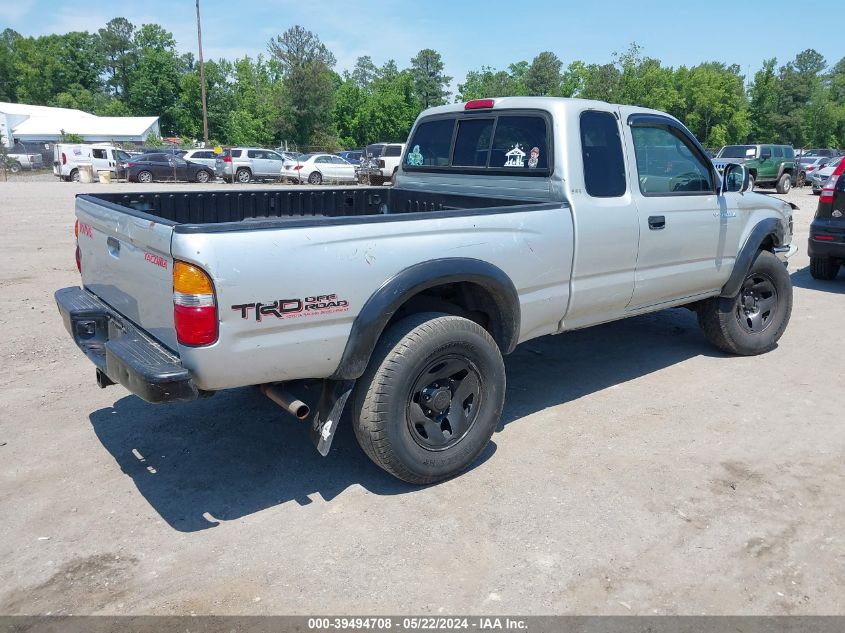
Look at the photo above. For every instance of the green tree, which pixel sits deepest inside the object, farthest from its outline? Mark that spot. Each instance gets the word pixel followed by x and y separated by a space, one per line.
pixel 763 104
pixel 430 84
pixel 154 80
pixel 486 82
pixel 543 75
pixel 8 74
pixel 307 100
pixel 118 48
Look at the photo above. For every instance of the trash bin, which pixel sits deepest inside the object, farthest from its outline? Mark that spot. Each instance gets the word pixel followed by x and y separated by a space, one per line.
pixel 105 176
pixel 86 173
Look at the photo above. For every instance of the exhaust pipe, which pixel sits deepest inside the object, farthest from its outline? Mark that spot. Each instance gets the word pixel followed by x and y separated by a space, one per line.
pixel 103 381
pixel 286 400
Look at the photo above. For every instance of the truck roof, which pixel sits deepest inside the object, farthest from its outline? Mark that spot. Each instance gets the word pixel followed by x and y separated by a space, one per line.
pixel 551 104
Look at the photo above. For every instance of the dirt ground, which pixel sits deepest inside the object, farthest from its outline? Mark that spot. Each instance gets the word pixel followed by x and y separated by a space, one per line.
pixel 638 471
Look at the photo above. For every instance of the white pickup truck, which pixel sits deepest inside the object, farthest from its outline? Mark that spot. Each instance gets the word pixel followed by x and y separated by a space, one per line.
pixel 510 219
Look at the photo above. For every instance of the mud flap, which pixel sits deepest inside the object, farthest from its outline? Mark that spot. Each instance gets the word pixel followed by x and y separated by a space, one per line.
pixel 329 409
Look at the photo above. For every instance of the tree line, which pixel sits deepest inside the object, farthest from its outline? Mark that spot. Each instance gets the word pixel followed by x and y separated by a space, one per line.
pixel 295 93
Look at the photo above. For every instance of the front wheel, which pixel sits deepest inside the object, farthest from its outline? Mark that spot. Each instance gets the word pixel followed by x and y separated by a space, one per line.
pixel 823 268
pixel 15 167
pixel 784 183
pixel 753 321
pixel 431 397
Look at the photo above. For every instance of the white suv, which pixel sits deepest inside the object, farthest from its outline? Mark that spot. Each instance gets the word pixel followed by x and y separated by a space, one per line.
pixel 244 164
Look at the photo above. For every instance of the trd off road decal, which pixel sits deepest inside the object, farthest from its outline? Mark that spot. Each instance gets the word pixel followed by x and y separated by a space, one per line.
pixel 292 308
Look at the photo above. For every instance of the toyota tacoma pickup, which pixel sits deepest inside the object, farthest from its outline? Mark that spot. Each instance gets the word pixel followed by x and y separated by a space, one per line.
pixel 510 219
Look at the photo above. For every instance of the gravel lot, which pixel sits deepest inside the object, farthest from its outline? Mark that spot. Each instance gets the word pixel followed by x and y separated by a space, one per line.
pixel 638 471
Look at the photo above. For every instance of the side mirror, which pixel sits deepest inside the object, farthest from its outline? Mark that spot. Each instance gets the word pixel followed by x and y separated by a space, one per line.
pixel 735 179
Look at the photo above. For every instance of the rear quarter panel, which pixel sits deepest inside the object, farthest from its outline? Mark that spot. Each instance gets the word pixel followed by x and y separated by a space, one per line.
pixel 349 263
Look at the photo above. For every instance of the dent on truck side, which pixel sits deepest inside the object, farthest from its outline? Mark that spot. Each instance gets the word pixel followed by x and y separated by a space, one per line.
pixel 410 282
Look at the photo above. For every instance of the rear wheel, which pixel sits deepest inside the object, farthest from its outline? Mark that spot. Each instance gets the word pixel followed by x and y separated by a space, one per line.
pixel 203 176
pixel 74 175
pixel 15 167
pixel 431 397
pixel 145 176
pixel 752 321
pixel 315 178
pixel 244 175
pixel 784 183
pixel 823 268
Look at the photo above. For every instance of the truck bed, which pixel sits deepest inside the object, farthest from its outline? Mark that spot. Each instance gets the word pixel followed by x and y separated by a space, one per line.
pixel 212 211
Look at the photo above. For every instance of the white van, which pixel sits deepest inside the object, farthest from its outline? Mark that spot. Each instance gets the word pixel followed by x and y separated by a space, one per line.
pixel 67 157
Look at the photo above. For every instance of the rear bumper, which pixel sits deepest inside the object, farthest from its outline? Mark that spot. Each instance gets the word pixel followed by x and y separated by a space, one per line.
pixel 123 352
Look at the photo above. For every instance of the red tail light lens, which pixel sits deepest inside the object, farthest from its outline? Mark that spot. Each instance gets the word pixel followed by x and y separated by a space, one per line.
pixel 227 159
pixel 479 104
pixel 827 195
pixel 130 165
pixel 194 305
pixel 298 167
pixel 824 238
pixel 64 159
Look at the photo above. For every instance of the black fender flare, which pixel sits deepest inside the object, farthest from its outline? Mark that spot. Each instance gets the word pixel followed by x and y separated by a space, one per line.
pixel 393 293
pixel 763 229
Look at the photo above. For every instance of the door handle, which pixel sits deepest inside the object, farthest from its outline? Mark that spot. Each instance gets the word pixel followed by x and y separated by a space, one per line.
pixel 656 222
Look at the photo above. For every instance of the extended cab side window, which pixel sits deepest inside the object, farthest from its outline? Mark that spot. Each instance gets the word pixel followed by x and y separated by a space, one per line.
pixel 667 164
pixel 98 153
pixel 601 151
pixel 392 150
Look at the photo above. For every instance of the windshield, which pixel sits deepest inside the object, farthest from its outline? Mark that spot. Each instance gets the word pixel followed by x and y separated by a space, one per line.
pixel 738 151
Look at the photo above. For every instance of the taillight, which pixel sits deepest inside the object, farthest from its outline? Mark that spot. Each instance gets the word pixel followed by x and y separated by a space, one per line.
pixel 827 194
pixel 479 104
pixel 194 305
pixel 64 159
pixel 227 159
pixel 824 238
pixel 298 167
pixel 128 165
pixel 810 168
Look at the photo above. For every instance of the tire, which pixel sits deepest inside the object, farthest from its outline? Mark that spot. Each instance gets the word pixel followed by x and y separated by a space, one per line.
pixel 823 268
pixel 145 176
pixel 315 178
pixel 243 175
pixel 784 183
pixel 445 360
pixel 15 167
pixel 203 176
pixel 74 175
pixel 753 321
pixel 802 180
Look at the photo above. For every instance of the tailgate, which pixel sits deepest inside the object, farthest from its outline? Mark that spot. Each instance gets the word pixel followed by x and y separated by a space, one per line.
pixel 126 262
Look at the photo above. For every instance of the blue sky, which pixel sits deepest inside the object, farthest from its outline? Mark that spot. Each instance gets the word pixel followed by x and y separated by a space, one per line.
pixel 471 34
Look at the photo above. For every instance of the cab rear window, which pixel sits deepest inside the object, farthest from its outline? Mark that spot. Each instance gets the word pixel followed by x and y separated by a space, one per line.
pixel 495 142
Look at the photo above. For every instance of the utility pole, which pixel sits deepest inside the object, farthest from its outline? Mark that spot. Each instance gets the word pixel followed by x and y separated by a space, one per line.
pixel 202 78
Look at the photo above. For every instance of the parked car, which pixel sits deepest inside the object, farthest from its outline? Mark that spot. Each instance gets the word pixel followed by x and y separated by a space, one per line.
pixel 826 245
pixel 403 301
pixel 151 167
pixel 352 155
pixel 376 170
pixel 827 152
pixel 18 162
pixel 205 156
pixel 768 165
pixel 806 165
pixel 243 164
pixel 819 177
pixel 317 168
pixel 67 158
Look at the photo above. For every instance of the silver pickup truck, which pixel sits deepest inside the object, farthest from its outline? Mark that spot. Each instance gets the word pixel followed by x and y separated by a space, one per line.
pixel 510 219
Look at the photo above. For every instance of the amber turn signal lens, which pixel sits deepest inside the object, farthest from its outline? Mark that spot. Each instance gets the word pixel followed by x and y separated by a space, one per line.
pixel 76 229
pixel 189 279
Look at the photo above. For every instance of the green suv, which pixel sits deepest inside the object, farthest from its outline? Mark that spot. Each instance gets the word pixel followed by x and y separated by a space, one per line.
pixel 768 165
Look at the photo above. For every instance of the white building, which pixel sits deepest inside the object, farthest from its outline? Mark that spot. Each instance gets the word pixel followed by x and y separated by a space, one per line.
pixel 20 123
